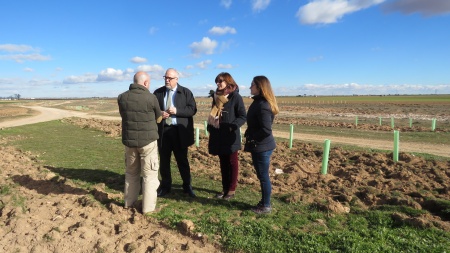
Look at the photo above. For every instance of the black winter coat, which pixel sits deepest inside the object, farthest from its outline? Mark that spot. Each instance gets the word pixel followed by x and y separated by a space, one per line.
pixel 227 138
pixel 186 108
pixel 259 137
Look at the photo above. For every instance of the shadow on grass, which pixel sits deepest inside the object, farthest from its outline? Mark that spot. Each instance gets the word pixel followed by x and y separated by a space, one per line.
pixel 205 196
pixel 111 180
pixel 58 185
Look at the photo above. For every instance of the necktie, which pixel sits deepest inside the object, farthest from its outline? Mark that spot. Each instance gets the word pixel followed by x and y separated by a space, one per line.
pixel 168 105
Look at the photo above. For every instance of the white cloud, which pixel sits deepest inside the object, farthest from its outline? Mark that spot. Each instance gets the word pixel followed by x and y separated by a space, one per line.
pixel 216 30
pixel 361 89
pixel 226 3
pixel 224 66
pixel 138 59
pixel 25 57
pixel 6 81
pixel 152 30
pixel 426 8
pixel 113 75
pixel 206 46
pixel 316 58
pixel 28 69
pixel 86 78
pixel 155 71
pixel 107 75
pixel 260 5
pixel 16 48
pixel 204 64
pixel 16 55
pixel 330 11
pixel 150 68
pixel 189 67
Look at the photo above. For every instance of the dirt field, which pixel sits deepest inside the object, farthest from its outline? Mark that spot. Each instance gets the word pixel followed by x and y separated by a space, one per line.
pixel 62 218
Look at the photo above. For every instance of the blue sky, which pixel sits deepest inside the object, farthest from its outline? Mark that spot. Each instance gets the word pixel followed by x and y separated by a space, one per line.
pixel 317 47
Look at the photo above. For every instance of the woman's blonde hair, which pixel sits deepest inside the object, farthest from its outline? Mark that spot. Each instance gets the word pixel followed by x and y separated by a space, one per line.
pixel 265 90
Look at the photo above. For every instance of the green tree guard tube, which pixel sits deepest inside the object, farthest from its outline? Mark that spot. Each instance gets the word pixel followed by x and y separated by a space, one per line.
pixel 197 137
pixel 326 152
pixel 291 135
pixel 396 143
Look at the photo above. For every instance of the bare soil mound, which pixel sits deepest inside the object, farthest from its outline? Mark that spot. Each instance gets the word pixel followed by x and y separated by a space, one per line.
pixel 43 212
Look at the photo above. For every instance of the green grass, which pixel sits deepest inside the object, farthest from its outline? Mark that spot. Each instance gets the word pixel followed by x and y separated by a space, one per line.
pixel 88 157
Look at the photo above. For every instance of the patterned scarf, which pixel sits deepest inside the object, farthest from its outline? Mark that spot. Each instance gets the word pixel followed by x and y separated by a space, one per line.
pixel 220 99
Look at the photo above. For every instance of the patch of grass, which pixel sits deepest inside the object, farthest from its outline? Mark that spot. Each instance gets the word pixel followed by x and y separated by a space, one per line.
pixel 402 209
pixel 5 190
pixel 85 156
pixel 19 201
pixel 88 157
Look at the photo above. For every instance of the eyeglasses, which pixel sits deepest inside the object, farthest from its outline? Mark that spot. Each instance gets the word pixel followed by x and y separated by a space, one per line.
pixel 219 81
pixel 168 77
pixel 252 85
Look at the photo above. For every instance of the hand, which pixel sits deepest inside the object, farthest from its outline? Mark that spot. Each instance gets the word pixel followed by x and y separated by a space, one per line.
pixel 172 110
pixel 165 115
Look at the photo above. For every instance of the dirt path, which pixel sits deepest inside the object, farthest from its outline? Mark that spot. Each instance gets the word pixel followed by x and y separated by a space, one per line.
pixel 48 114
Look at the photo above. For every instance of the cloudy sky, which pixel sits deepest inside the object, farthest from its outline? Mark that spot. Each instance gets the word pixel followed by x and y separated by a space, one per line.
pixel 88 48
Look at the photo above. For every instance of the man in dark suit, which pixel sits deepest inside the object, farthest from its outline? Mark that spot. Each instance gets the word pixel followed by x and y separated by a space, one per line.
pixel 176 131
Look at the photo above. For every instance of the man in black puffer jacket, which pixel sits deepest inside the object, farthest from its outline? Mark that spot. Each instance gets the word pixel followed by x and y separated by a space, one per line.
pixel 140 114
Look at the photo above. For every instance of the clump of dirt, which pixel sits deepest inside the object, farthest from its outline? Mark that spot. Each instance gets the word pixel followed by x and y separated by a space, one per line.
pixel 111 128
pixel 353 180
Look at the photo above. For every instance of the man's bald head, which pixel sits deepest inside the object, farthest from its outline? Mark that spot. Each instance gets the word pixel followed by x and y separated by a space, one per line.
pixel 142 78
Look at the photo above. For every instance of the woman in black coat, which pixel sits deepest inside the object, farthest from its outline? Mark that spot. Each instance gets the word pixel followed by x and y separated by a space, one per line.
pixel 259 138
pixel 224 122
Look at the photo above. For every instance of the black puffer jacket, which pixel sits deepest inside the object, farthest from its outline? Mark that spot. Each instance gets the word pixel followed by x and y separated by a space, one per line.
pixel 259 137
pixel 140 111
pixel 227 138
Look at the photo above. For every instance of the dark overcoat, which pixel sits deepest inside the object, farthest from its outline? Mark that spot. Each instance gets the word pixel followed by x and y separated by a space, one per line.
pixel 227 138
pixel 186 108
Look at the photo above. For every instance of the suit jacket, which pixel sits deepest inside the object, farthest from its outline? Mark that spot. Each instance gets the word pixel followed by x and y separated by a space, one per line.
pixel 186 108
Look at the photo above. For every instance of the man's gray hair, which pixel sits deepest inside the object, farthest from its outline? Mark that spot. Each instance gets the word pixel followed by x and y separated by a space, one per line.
pixel 177 75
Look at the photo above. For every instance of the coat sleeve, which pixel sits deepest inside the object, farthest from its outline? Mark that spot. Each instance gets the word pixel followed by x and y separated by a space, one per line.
pixel 157 110
pixel 186 105
pixel 241 114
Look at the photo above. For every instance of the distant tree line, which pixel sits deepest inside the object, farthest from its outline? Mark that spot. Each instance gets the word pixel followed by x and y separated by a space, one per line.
pixel 12 97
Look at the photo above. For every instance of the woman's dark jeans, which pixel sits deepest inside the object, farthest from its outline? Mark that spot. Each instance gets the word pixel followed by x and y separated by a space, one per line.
pixel 261 162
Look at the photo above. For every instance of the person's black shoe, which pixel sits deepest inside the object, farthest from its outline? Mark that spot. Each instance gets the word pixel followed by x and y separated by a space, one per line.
pixel 190 192
pixel 162 192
